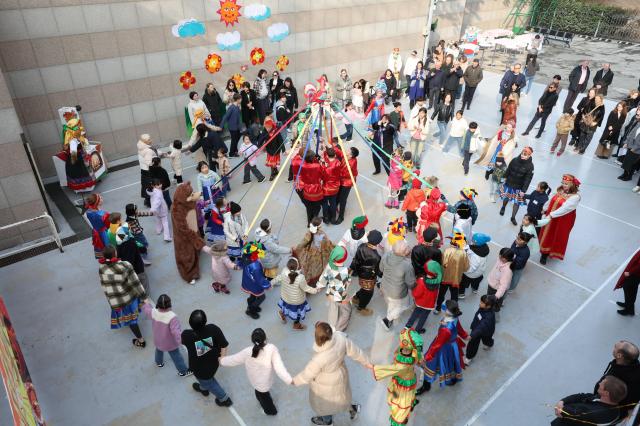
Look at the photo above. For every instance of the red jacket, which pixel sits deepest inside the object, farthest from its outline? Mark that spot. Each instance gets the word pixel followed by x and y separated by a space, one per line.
pixel 345 179
pixel 331 172
pixel 423 297
pixel 296 162
pixel 633 268
pixel 311 180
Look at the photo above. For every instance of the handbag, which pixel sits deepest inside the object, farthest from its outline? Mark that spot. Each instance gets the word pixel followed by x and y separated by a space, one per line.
pixel 473 145
pixel 588 119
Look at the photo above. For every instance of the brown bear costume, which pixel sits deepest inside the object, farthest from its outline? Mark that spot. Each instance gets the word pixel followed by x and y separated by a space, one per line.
pixel 186 240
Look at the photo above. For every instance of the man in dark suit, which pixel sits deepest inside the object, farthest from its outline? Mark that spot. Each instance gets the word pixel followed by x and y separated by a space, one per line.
pixel 600 408
pixel 603 78
pixel 578 80
pixel 625 366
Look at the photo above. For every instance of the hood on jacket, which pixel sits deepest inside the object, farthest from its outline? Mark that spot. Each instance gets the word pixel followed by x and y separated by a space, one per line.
pixel 482 251
pixel 434 195
pixel 142 146
pixel 260 233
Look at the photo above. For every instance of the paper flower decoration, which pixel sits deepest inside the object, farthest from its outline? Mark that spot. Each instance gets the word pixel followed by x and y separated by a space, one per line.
pixel 282 62
pixel 229 41
pixel 257 12
pixel 309 90
pixel 278 32
pixel 213 63
pixel 188 28
pixel 243 68
pixel 257 56
pixel 187 80
pixel 238 79
pixel 229 12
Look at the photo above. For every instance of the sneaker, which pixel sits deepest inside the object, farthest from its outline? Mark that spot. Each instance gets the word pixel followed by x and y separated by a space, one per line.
pixel 244 182
pixel 320 421
pixel 436 312
pixel 467 361
pixel 261 179
pixel 196 387
pixel 461 296
pixel 353 411
pixel 486 348
pixel 252 314
pixel 192 282
pixel 160 365
pixel 226 403
pixel 386 324
pixel 474 291
pixel 146 262
pixel 636 189
pixel 185 374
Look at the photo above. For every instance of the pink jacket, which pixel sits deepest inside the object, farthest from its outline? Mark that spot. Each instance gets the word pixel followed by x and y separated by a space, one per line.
pixel 499 278
pixel 394 182
pixel 165 326
pixel 158 204
pixel 220 267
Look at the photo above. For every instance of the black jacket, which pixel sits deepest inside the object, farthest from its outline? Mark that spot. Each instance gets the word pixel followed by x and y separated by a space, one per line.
pixel 421 254
pixel 443 111
pixel 435 79
pixel 548 100
pixel 275 90
pixel 275 146
pixel 383 136
pixel 483 324
pixel 282 114
pixel 630 375
pixel 586 408
pixel 160 174
pixel 248 115
pixel 519 173
pixel 292 98
pixel 574 78
pixel 210 143
pixel 521 256
pixel 603 81
pixel 598 114
pixel 452 79
pixel 536 202
pixel 366 263
pixel 214 105
pixel 616 122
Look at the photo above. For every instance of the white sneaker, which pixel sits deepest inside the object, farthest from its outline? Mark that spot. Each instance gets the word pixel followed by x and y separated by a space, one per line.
pixel 146 262
pixel 460 296
pixel 486 348
pixel 636 189
pixel 192 282
pixel 467 361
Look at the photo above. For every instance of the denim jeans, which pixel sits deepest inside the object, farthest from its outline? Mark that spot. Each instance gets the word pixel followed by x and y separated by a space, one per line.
pixel 214 387
pixel 348 132
pixel 176 357
pixel 442 131
pixel 455 139
pixel 420 315
pixel 515 279
pixel 529 81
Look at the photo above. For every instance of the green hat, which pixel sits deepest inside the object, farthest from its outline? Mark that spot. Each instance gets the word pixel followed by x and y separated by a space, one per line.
pixel 359 222
pixel 433 271
pixel 302 115
pixel 337 257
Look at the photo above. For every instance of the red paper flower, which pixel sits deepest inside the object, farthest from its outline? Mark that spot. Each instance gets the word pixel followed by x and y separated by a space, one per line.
pixel 213 63
pixel 282 62
pixel 257 56
pixel 187 80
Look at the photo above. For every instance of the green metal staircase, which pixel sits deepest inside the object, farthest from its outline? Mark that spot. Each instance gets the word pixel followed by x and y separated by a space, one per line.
pixel 523 14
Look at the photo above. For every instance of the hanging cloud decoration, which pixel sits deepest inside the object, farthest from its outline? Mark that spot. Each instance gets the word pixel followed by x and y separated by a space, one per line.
pixel 188 28
pixel 257 12
pixel 229 41
pixel 278 32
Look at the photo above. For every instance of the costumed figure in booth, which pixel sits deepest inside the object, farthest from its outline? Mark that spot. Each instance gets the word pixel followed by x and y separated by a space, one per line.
pixel 429 212
pixel 375 111
pixel 444 358
pixel 558 219
pixel 76 154
pixel 401 392
pixel 394 63
pixel 99 220
pixel 504 141
pixel 187 242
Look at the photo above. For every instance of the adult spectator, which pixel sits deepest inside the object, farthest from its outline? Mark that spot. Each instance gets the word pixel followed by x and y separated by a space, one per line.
pixel 229 90
pixel 205 344
pixel 595 409
pixel 343 88
pixel 210 142
pixel 397 277
pixel 612 129
pixel 416 85
pixel 292 94
pixel 233 119
pixel 578 80
pixel 327 375
pixel 603 78
pixel 629 281
pixel 248 104
pixel 410 66
pixel 624 366
pixel 545 105
pixel 632 99
pixel 586 104
pixel 146 153
pixel 589 124
pixel 444 112
pixel 435 80
pixel 512 81
pixel 517 179
pixel 632 143
pixel 212 100
pixel 382 141
pixel 391 83
pixel 452 75
pixel 556 80
pixel 261 89
pixel 531 66
pixel 472 77
pixel 275 85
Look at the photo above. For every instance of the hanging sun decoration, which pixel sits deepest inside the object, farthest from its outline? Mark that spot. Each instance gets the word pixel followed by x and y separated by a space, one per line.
pixel 213 63
pixel 187 80
pixel 257 55
pixel 282 62
pixel 229 12
pixel 238 79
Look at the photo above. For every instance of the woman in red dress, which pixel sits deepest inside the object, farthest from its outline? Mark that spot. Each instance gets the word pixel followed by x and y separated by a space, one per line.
pixel 561 212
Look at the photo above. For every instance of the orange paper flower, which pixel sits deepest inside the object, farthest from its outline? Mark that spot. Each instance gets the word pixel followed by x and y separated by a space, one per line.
pixel 238 79
pixel 257 56
pixel 229 12
pixel 213 63
pixel 187 80
pixel 282 62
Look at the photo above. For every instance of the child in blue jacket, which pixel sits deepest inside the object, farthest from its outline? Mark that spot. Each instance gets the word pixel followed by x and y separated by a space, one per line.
pixel 482 327
pixel 253 280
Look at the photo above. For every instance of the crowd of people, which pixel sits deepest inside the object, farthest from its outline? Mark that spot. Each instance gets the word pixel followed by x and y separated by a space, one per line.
pixel 432 276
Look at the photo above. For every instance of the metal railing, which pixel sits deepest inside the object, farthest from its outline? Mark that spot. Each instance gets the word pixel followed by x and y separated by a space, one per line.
pixel 55 237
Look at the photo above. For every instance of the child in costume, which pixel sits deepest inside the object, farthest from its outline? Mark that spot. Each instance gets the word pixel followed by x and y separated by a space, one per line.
pixel 166 333
pixel 467 199
pixel 221 266
pixel 444 358
pixel 314 251
pixel 407 164
pixel 425 293
pixel 497 177
pixel 273 250
pixel 401 392
pixel 357 98
pixel 160 210
pixel 429 212
pixel 366 265
pixel 336 278
pixel 482 327
pixel 115 220
pixel 99 220
pixel 477 252
pixel 396 231
pixel 293 302
pixel 260 361
pixel 394 181
pixel 137 230
pixel 127 250
pixel 355 236
pixel 253 280
pixel 375 111
pixel 214 220
pixel 235 226
pixel 207 182
pixel 454 262
pixel 275 146
pixel 415 196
